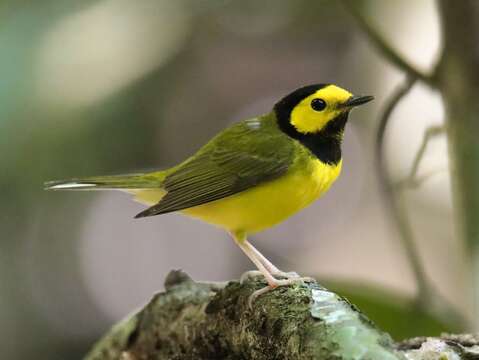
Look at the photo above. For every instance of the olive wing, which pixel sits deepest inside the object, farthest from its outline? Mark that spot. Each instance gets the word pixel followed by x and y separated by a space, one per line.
pixel 241 157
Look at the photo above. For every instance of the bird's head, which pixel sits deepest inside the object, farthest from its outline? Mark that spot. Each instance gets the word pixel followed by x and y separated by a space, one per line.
pixel 316 108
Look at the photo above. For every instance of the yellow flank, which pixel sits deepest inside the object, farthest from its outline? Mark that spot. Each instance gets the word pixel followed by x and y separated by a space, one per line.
pixel 264 205
pixel 270 203
pixel 306 120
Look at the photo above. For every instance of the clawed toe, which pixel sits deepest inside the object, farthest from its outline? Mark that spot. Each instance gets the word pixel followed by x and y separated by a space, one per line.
pixel 295 280
pixel 257 293
pixel 306 279
pixel 250 274
pixel 286 275
pixel 278 283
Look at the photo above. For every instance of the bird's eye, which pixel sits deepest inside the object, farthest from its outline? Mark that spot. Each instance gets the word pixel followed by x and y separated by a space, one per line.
pixel 318 104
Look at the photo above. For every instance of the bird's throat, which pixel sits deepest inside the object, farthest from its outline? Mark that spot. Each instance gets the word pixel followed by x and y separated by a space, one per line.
pixel 325 144
pixel 325 148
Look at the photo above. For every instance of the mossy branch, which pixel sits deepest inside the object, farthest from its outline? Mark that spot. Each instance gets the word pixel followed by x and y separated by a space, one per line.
pixel 193 320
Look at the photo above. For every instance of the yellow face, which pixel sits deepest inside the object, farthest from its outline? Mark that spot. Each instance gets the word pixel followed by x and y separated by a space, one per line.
pixel 312 113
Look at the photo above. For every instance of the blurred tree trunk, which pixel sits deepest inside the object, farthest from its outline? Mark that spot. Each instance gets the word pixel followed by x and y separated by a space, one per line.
pixel 457 77
pixel 213 321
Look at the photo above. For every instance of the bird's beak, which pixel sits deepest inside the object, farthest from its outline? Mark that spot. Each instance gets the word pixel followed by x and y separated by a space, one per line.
pixel 354 101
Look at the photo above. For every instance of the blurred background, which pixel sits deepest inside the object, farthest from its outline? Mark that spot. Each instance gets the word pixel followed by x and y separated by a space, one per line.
pixel 114 86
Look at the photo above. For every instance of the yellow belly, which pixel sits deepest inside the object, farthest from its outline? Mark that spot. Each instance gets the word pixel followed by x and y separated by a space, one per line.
pixel 265 205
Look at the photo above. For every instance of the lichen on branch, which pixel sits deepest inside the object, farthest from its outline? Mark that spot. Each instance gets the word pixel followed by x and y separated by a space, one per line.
pixel 192 320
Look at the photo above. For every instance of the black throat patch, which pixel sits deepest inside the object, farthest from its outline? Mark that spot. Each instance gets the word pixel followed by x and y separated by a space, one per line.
pixel 325 144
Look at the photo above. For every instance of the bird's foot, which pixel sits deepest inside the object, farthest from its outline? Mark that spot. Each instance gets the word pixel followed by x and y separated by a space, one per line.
pixel 256 273
pixel 250 274
pixel 277 283
pixel 285 275
pixel 291 276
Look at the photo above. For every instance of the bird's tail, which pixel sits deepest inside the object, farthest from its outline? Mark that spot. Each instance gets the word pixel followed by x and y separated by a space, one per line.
pixel 115 182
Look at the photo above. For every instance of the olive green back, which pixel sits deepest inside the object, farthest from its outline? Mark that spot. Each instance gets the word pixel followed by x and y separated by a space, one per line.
pixel 242 156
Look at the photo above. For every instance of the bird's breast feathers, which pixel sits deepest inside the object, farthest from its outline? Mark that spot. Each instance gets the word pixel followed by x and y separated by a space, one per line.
pixel 271 202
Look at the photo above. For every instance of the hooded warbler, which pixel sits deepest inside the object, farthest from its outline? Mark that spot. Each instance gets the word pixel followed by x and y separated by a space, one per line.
pixel 252 175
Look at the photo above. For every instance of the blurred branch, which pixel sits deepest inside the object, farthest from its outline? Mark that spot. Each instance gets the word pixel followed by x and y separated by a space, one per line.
pixel 419 180
pixel 413 180
pixel 384 47
pixel 395 207
pixel 427 298
pixel 193 320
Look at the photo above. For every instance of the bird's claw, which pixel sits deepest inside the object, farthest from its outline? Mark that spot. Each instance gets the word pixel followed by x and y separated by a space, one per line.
pixel 257 293
pixel 277 283
pixel 250 274
pixel 279 274
pixel 306 279
pixel 286 275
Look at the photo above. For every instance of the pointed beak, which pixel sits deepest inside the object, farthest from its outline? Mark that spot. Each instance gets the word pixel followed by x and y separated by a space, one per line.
pixel 354 101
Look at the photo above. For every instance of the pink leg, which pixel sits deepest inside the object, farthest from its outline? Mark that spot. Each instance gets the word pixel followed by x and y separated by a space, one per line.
pixel 247 248
pixel 265 267
pixel 273 270
pixel 267 264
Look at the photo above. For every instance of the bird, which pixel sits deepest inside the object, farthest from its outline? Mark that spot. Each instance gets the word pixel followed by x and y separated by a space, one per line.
pixel 251 176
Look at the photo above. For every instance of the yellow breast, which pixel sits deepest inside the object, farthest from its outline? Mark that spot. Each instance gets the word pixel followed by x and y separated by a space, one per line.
pixel 270 203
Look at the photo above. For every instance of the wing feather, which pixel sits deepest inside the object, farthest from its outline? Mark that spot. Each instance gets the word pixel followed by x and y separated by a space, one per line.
pixel 241 157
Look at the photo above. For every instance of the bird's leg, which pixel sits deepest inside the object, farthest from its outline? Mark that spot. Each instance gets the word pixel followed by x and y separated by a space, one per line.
pixel 269 265
pixel 273 270
pixel 240 239
pixel 294 276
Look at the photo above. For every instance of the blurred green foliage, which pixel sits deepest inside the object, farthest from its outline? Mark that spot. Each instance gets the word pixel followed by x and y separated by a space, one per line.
pixel 393 312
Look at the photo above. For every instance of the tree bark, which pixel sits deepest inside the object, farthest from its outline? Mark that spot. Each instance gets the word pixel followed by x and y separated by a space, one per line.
pixel 458 80
pixel 192 320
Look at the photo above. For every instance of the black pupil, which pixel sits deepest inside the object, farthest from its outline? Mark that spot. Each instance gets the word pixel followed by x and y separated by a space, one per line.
pixel 318 104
